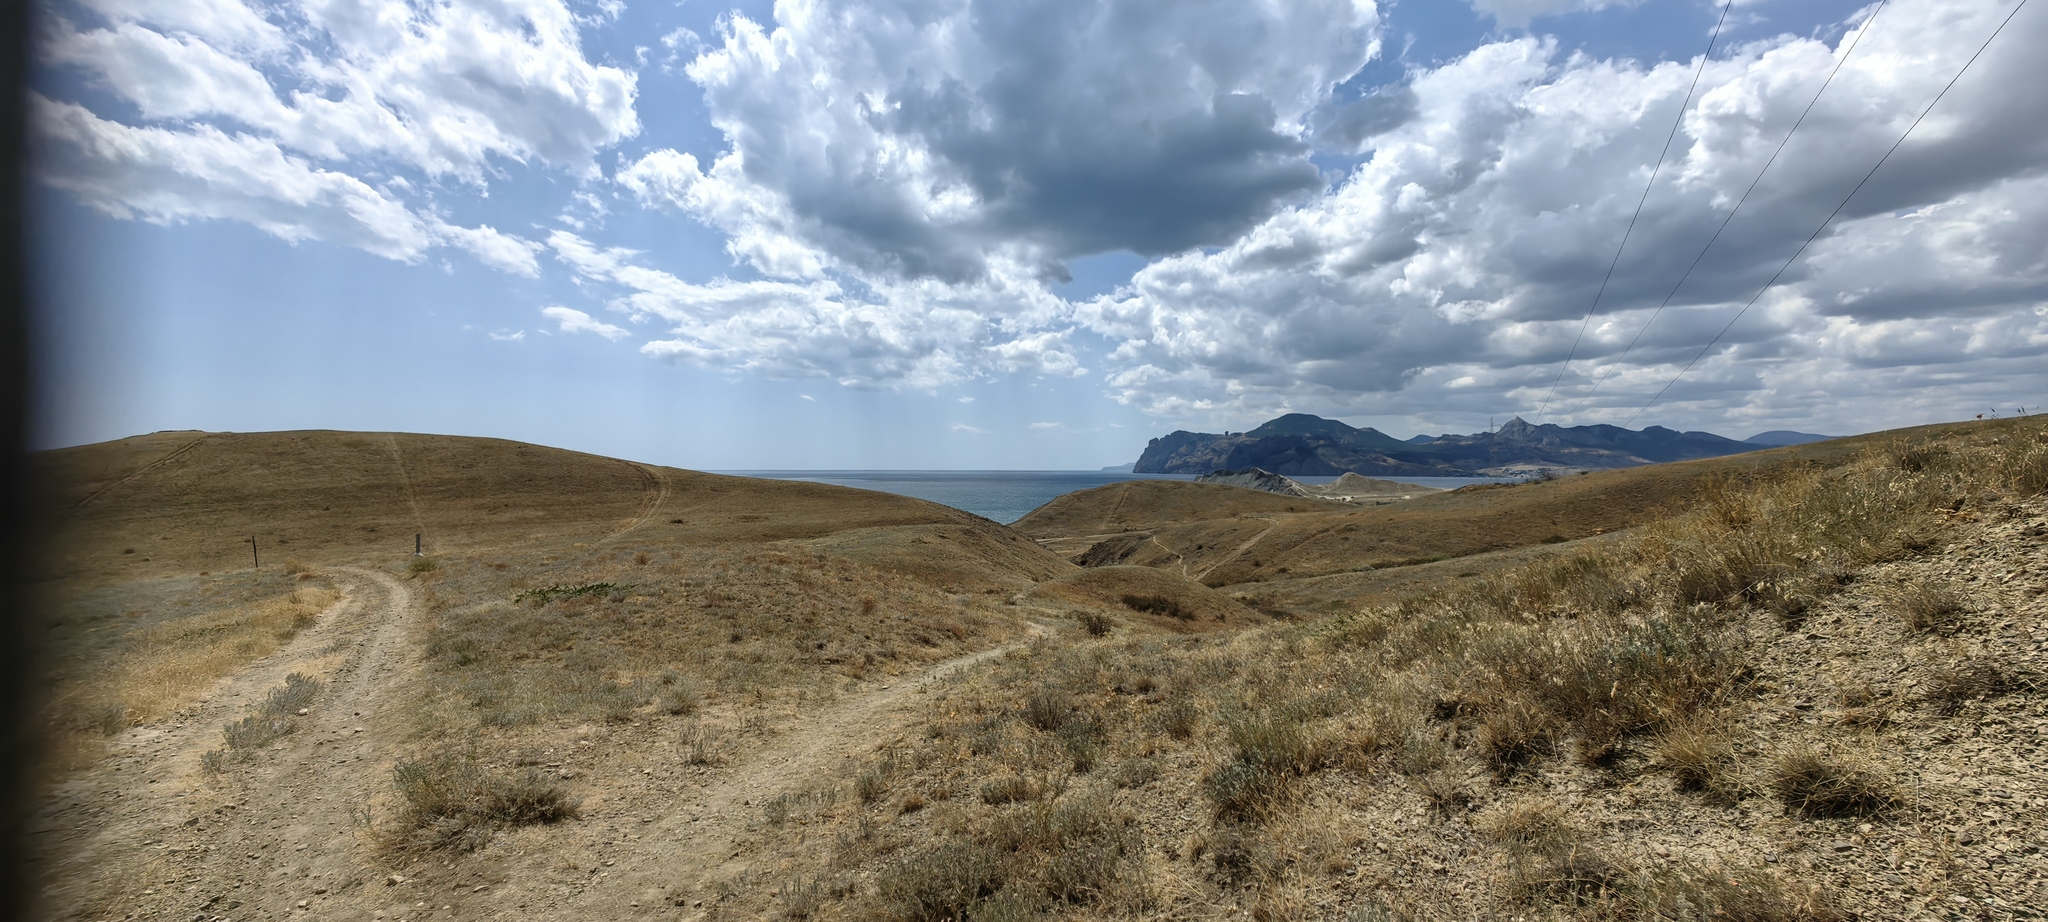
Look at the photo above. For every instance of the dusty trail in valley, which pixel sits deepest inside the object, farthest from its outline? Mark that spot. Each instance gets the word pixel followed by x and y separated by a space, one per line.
pixel 148 833
pixel 657 497
pixel 657 851
pixel 1233 555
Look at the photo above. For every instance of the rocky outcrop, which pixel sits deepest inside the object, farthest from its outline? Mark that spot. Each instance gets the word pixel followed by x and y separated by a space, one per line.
pixel 1256 479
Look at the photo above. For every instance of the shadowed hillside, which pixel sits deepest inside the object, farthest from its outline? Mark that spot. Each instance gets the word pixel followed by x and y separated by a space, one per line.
pixel 183 502
pixel 1176 525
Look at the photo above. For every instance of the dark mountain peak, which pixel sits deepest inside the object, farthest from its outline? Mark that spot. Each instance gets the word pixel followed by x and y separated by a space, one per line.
pixel 1301 444
pixel 1303 424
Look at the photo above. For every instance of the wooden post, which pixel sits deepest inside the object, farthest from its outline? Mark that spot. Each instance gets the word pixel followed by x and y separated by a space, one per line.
pixel 254 557
pixel 416 551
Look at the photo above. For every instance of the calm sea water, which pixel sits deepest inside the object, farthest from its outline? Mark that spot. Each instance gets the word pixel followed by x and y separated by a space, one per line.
pixel 1006 496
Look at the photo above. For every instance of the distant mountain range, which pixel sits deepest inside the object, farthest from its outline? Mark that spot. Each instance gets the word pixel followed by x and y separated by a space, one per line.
pixel 1302 445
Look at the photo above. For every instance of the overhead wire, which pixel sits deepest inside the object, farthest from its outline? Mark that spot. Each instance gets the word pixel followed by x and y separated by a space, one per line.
pixel 1605 373
pixel 1661 155
pixel 1832 215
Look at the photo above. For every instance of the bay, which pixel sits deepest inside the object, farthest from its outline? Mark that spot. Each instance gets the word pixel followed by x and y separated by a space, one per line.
pixel 1006 496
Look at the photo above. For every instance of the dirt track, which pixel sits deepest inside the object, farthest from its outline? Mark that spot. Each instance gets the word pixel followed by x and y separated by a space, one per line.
pixel 148 833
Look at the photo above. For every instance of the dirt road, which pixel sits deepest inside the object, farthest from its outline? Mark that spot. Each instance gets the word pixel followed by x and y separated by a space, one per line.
pixel 148 833
pixel 657 849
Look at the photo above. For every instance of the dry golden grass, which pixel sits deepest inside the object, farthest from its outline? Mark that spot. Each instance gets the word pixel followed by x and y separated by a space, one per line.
pixel 1494 746
pixel 171 663
pixel 122 677
pixel 1181 533
pixel 1454 709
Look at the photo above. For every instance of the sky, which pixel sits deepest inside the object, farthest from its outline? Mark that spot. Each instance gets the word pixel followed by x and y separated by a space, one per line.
pixel 1031 234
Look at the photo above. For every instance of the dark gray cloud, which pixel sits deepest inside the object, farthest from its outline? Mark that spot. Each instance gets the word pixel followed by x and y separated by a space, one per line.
pixel 1465 253
pixel 928 139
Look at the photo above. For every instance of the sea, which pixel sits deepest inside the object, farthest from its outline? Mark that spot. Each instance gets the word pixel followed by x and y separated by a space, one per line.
pixel 1006 496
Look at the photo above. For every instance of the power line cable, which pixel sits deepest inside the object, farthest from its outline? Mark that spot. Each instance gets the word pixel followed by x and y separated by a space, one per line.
pixel 1675 122
pixel 1606 373
pixel 1832 215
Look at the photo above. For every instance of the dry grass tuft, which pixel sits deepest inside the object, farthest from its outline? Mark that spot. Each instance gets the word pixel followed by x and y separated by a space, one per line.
pixel 454 800
pixel 1574 877
pixel 1700 757
pixel 1530 825
pixel 1515 735
pixel 1823 786
pixel 1954 688
pixel 1927 606
pixel 1741 895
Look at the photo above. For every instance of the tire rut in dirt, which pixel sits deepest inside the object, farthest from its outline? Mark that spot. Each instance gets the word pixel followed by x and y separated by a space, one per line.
pixel 149 832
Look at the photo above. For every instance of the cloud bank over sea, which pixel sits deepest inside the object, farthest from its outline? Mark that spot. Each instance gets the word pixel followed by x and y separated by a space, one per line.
pixel 901 194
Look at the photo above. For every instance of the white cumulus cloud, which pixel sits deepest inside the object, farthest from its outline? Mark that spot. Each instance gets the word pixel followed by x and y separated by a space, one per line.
pixel 303 118
pixel 571 320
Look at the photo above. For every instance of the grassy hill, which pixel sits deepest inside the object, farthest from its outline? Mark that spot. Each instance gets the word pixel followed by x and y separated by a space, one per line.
pixel 1799 684
pixel 1178 526
pixel 1813 696
pixel 184 502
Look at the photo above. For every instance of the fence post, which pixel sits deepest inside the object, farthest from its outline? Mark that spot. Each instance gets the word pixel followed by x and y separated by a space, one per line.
pixel 255 558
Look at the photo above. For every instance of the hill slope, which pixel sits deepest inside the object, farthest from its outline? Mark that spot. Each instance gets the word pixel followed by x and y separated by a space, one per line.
pixel 1245 542
pixel 184 502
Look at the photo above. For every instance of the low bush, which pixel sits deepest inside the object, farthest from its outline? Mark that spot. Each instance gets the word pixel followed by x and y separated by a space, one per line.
pixel 296 694
pixel 1927 606
pixel 454 800
pixel 1158 605
pixel 940 883
pixel 1048 708
pixel 801 896
pixel 551 593
pixel 275 718
pixel 1095 623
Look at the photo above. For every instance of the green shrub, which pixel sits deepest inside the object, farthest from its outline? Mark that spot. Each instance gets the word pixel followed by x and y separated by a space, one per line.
pixel 564 591
pixel 1158 605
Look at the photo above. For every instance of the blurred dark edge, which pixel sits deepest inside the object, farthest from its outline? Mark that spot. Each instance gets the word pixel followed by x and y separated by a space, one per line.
pixel 20 749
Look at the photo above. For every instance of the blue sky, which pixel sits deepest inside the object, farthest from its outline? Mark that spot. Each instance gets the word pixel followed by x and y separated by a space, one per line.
pixel 1029 234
